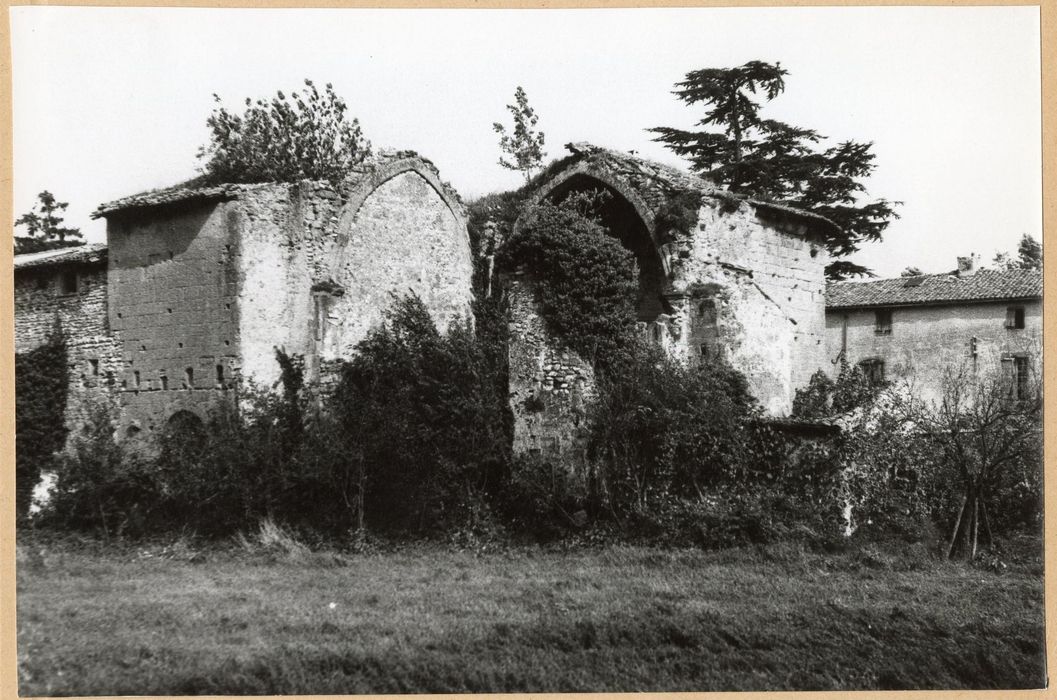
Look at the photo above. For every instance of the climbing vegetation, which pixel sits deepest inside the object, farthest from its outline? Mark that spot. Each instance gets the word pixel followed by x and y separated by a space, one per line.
pixel 40 413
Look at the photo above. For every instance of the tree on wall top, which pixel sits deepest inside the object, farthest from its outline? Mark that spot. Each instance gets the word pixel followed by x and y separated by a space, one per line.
pixel 303 136
pixel 774 161
pixel 43 224
pixel 1029 256
pixel 525 145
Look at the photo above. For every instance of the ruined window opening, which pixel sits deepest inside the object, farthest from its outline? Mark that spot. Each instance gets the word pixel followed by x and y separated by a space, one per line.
pixel 874 371
pixel 656 333
pixel 189 378
pixel 110 379
pixel 220 375
pixel 94 367
pixel 164 382
pixel 883 322
pixel 1015 317
pixel 69 282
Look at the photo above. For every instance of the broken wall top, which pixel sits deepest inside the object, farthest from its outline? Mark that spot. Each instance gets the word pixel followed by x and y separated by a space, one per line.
pixel 656 185
pixel 361 180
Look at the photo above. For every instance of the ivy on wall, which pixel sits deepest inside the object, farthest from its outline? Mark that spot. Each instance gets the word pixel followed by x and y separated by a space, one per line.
pixel 41 386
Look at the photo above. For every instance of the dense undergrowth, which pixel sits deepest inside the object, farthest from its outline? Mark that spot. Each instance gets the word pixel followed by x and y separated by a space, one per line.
pixel 413 440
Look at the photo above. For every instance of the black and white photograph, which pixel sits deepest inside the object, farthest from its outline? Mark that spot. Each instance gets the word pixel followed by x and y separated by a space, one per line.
pixel 419 351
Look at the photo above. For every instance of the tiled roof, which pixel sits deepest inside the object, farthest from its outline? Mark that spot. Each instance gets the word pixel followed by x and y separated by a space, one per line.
pixel 169 195
pixel 88 253
pixel 936 289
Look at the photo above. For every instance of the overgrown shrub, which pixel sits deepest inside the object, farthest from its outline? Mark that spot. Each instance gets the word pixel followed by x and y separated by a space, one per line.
pixel 662 430
pixel 422 420
pixel 586 280
pixel 40 413
pixel 307 135
pixel 101 486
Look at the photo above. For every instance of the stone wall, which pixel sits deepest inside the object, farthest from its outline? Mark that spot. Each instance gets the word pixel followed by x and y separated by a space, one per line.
pixel 754 289
pixel 94 363
pixel 173 309
pixel 926 341
pixel 205 286
pixel 550 385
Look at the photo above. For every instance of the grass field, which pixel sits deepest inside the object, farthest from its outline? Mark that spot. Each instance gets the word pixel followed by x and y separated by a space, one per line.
pixel 107 620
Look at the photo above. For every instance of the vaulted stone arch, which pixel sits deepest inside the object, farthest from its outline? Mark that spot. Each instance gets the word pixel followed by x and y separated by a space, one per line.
pixel 628 216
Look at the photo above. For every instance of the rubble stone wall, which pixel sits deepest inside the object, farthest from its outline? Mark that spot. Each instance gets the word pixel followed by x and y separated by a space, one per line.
pixel 550 385
pixel 93 358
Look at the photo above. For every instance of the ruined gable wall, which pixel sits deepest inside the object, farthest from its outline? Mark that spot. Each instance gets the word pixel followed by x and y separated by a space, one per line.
pixel 771 312
pixel 403 237
pixel 82 315
pixel 173 307
pixel 927 341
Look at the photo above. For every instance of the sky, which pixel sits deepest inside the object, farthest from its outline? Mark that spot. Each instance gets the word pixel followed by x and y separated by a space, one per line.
pixel 113 101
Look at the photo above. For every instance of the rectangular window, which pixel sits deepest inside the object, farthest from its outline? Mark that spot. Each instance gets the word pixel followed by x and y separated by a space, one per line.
pixel 1015 317
pixel 94 366
pixel 220 375
pixel 874 371
pixel 69 282
pixel 189 378
pixel 883 322
pixel 135 378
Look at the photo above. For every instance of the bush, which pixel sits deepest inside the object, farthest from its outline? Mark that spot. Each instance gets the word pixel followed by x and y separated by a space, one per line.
pixel 287 139
pixel 40 413
pixel 647 428
pixel 586 281
pixel 422 420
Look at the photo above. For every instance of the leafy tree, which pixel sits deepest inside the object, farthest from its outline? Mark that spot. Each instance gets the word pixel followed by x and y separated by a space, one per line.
pixel 774 161
pixel 911 271
pixel 525 145
pixel 44 226
pixel 306 136
pixel 986 434
pixel 1029 256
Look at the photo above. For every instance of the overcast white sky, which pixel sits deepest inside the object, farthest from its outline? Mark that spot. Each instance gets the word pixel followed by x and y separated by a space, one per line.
pixel 112 101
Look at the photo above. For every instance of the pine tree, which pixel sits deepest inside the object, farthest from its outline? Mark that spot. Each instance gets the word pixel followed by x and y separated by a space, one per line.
pixel 778 162
pixel 525 145
pixel 44 226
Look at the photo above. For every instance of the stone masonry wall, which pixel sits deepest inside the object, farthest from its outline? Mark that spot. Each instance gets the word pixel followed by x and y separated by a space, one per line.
pixel 173 309
pixel 927 341
pixel 402 238
pixel 550 385
pixel 756 289
pixel 94 363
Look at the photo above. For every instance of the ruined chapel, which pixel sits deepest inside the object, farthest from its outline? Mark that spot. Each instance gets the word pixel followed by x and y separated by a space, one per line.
pixel 196 287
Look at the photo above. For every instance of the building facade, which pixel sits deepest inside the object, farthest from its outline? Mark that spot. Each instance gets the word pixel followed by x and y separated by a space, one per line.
pixel 918 330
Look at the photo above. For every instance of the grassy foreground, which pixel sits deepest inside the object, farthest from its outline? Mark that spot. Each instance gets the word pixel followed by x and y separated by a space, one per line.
pixel 96 620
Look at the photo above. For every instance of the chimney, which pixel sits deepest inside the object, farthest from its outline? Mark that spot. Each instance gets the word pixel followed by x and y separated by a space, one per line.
pixel 967 265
